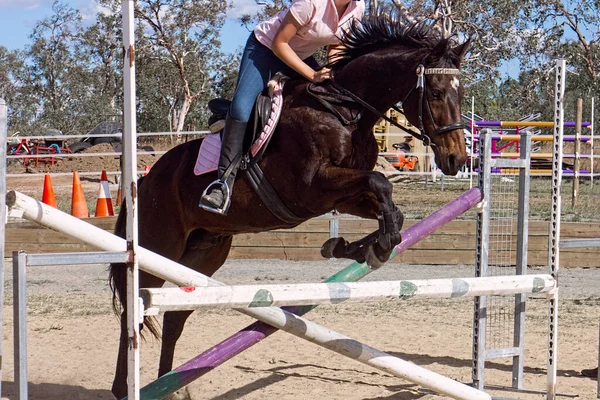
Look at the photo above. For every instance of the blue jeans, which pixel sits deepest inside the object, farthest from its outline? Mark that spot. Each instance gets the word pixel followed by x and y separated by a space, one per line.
pixel 257 67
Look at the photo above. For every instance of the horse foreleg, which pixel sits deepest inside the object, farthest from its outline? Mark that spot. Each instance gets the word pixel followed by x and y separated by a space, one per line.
pixel 374 248
pixel 369 195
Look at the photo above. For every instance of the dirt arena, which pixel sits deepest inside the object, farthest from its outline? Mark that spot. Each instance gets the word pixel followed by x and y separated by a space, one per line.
pixel 73 338
pixel 73 334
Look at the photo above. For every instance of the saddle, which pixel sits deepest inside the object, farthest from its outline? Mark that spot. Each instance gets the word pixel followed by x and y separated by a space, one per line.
pixel 219 108
pixel 261 126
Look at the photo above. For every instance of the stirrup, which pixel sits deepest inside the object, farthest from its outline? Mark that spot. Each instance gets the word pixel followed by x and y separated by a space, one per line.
pixel 226 192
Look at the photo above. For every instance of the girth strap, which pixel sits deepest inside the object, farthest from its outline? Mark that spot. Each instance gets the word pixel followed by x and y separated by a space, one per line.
pixel 269 196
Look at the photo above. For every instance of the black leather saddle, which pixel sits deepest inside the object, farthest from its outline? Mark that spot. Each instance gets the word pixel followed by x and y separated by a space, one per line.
pixel 219 108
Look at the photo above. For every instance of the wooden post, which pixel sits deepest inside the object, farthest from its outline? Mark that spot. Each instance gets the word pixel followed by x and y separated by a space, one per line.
pixel 598 369
pixel 3 145
pixel 577 151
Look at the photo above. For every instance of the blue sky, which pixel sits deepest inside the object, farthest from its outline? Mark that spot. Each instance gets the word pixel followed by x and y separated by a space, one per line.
pixel 18 17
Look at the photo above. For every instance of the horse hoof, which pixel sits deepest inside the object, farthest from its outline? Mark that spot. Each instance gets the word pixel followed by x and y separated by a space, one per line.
pixel 328 247
pixel 372 260
pixel 590 373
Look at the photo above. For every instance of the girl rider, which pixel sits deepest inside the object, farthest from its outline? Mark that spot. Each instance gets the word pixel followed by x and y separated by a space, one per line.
pixel 286 43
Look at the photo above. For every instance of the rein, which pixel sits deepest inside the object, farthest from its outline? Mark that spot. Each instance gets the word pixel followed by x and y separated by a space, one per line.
pixel 423 136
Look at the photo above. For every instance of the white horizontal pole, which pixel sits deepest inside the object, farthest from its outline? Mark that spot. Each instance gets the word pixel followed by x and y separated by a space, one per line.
pixel 244 296
pixel 171 271
pixel 104 135
pixel 579 243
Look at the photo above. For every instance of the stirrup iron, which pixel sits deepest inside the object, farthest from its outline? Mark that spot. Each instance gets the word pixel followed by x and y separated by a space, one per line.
pixel 227 193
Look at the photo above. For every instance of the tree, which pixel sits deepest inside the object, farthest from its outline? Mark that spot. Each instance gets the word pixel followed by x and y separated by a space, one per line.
pixel 8 59
pixel 182 36
pixel 22 105
pixel 53 71
pixel 100 51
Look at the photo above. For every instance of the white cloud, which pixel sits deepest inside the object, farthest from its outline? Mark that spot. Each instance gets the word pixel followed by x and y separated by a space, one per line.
pixel 23 4
pixel 89 9
pixel 241 7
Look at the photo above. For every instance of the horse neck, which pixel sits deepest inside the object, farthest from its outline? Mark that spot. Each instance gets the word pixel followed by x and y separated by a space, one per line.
pixel 381 79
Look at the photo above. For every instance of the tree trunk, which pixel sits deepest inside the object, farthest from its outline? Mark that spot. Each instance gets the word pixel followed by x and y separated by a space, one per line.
pixel 182 113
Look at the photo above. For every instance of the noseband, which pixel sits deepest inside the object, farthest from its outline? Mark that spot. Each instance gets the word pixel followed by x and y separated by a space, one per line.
pixel 425 137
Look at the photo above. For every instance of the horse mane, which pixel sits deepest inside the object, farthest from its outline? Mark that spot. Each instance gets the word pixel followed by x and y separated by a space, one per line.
pixel 387 28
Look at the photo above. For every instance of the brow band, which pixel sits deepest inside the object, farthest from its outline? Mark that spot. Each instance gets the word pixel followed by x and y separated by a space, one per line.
pixel 445 71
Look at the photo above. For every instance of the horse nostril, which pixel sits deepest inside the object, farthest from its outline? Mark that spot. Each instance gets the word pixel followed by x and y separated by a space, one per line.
pixel 453 162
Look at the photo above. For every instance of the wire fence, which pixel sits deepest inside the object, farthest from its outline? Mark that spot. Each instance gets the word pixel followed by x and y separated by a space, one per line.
pixel 426 160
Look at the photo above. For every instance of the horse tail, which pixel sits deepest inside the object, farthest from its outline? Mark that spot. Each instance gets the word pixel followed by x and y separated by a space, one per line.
pixel 117 277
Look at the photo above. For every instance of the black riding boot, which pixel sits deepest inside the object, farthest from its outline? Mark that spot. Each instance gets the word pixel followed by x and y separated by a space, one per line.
pixel 217 196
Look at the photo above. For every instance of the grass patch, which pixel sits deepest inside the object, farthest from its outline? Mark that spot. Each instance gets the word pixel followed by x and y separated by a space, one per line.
pixel 417 199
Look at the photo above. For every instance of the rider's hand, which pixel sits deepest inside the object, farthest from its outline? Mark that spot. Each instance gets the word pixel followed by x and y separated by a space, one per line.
pixel 321 75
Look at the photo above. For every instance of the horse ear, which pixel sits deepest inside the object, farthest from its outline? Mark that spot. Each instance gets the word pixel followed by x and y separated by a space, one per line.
pixel 440 49
pixel 458 53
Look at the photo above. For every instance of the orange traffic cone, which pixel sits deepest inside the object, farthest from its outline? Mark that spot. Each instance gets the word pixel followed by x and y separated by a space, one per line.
pixel 104 206
pixel 146 170
pixel 48 193
pixel 79 207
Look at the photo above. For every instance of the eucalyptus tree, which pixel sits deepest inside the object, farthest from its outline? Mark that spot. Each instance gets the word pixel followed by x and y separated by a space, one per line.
pixel 528 35
pixel 571 30
pixel 54 73
pixel 8 85
pixel 100 53
pixel 22 103
pixel 182 37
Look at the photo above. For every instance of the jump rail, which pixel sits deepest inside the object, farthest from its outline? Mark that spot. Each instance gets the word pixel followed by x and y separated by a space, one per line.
pixel 240 296
pixel 538 138
pixel 34 210
pixel 254 333
pixel 537 124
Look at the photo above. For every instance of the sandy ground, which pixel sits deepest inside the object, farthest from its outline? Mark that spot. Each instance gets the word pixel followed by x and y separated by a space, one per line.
pixel 73 335
pixel 73 338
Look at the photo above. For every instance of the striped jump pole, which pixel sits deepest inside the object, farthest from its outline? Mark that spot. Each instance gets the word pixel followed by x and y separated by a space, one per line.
pixel 257 331
pixel 537 138
pixel 303 294
pixel 157 265
pixel 537 124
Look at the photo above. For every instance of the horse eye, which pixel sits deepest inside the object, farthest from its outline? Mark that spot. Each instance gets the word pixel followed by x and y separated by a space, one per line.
pixel 436 93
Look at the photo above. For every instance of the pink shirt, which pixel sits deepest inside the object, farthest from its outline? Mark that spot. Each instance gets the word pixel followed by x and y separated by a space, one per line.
pixel 319 22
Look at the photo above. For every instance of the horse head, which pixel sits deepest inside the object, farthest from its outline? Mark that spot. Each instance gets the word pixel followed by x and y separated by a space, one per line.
pixel 389 60
pixel 436 106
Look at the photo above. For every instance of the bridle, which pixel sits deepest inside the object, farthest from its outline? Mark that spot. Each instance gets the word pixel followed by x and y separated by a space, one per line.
pixel 425 137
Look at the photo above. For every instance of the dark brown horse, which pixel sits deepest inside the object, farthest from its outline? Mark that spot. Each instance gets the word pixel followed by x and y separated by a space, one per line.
pixel 314 162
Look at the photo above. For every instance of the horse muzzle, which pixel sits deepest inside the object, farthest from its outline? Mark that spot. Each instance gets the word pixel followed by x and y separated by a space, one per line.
pixel 449 148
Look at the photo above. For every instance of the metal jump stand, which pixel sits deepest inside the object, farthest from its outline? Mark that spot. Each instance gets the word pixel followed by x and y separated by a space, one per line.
pixel 499 321
pixel 494 230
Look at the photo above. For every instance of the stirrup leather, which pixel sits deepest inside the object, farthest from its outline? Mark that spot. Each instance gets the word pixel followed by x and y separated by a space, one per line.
pixel 227 200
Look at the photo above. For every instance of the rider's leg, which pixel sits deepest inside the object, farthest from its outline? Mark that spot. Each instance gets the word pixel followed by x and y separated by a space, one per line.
pixel 219 195
pixel 256 68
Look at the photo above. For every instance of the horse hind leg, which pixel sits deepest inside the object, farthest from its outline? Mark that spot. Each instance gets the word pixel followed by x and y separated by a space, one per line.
pixel 119 386
pixel 170 243
pixel 205 253
pixel 173 324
